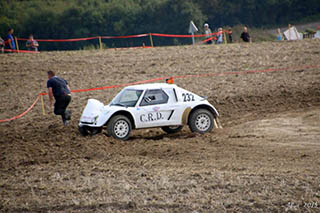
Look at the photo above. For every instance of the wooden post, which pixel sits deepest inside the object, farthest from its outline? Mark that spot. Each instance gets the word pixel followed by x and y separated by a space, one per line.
pixel 100 42
pixel 17 45
pixel 42 105
pixel 151 41
pixel 225 38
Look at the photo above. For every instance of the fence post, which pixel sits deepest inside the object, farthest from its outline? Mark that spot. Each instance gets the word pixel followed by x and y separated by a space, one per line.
pixel 100 42
pixel 17 45
pixel 42 105
pixel 151 41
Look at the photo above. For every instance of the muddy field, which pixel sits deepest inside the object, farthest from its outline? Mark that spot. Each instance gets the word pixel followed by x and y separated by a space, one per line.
pixel 265 159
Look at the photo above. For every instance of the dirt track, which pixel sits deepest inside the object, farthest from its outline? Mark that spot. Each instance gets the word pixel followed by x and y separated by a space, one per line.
pixel 266 158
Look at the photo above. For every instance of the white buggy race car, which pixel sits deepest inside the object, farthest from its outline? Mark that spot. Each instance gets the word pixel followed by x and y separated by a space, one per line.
pixel 149 105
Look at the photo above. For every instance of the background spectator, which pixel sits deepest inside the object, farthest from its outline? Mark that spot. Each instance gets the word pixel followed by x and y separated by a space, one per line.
pixel 230 35
pixel 279 35
pixel 10 44
pixel 2 45
pixel 245 36
pixel 220 36
pixel 32 44
pixel 208 33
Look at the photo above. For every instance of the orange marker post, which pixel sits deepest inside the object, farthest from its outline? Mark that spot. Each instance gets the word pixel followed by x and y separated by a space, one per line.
pixel 42 106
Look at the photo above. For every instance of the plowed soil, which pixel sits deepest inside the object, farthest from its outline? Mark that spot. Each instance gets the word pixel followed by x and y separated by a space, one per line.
pixel 265 159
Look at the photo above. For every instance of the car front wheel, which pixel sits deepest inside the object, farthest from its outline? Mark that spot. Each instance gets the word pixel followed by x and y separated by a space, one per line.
pixel 119 127
pixel 87 130
pixel 201 120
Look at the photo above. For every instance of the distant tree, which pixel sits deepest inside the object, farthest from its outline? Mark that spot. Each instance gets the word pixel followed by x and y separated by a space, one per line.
pixel 83 18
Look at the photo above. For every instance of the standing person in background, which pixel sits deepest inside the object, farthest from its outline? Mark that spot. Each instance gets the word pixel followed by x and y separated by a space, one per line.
pixel 2 45
pixel 245 36
pixel 208 33
pixel 220 36
pixel 10 44
pixel 59 89
pixel 230 35
pixel 32 44
pixel 279 35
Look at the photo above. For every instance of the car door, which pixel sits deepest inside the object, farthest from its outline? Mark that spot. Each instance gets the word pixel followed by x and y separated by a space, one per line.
pixel 153 109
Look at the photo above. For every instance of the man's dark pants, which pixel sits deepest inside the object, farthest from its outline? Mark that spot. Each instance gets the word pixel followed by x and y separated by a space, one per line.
pixel 61 105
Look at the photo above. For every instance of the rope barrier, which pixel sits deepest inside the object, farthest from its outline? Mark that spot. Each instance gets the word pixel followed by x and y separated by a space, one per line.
pixel 61 40
pixel 22 114
pixel 182 36
pixel 129 36
pixel 20 51
pixel 118 37
pixel 174 77
pixel 209 39
pixel 212 35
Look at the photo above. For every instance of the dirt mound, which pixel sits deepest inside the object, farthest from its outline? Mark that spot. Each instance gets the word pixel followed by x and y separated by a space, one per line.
pixel 264 159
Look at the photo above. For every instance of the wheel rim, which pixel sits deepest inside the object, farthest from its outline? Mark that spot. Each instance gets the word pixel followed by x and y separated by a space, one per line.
pixel 121 128
pixel 203 122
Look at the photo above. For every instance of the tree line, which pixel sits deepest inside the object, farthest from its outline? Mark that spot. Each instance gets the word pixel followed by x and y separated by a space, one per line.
pixel 59 19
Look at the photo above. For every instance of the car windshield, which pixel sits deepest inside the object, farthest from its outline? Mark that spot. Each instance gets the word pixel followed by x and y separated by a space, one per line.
pixel 127 98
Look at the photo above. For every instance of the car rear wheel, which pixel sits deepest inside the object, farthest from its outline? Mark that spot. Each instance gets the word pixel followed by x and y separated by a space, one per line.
pixel 201 120
pixel 172 129
pixel 119 127
pixel 88 130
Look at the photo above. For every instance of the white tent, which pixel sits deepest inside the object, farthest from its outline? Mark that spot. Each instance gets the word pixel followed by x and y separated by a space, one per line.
pixel 293 34
pixel 317 35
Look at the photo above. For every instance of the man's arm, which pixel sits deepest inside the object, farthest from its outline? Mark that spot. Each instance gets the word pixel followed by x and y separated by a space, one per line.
pixel 69 88
pixel 50 93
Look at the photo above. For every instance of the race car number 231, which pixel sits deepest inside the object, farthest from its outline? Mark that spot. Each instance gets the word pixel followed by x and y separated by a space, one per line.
pixel 187 97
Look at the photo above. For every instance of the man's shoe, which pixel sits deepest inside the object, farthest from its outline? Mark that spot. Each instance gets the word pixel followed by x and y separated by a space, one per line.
pixel 65 123
pixel 68 115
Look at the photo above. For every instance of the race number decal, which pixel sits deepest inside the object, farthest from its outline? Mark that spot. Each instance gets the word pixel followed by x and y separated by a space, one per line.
pixel 187 97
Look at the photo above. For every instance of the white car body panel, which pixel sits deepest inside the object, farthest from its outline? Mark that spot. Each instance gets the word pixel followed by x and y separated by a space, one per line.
pixel 170 113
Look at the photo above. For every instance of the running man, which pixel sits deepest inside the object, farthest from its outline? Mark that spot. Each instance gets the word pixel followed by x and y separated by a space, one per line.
pixel 59 89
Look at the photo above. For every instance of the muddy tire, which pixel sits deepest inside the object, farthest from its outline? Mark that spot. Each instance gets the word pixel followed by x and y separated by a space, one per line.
pixel 119 127
pixel 172 129
pixel 87 130
pixel 201 121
